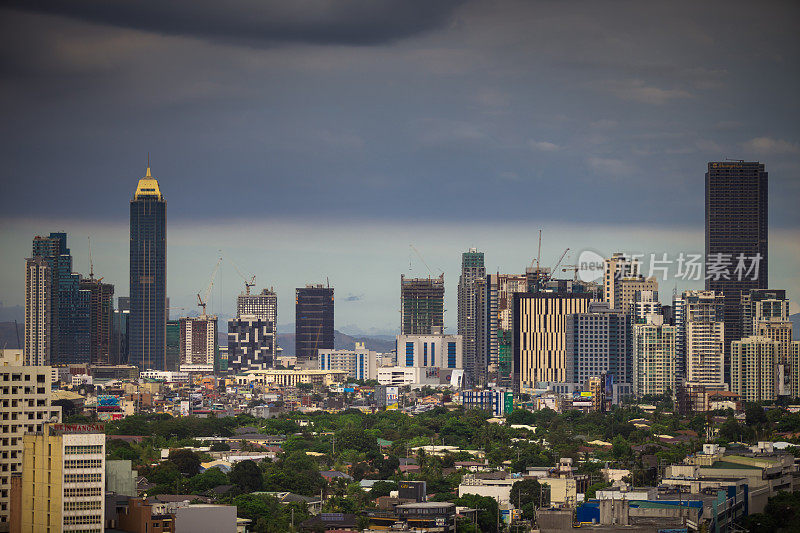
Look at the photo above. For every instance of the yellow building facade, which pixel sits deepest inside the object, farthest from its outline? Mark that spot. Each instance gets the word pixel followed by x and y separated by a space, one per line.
pixel 63 479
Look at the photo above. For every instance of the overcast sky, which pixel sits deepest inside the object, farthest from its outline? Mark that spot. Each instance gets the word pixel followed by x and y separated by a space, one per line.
pixel 313 139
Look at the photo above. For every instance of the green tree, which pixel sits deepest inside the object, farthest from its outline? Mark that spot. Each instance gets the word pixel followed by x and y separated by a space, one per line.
pixel 213 477
pixel 487 510
pixel 382 488
pixel 187 462
pixel 247 476
pixel 528 491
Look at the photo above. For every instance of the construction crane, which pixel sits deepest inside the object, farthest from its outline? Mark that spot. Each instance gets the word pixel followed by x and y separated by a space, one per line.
pixel 202 302
pixel 247 283
pixel 538 254
pixel 430 272
pixel 555 268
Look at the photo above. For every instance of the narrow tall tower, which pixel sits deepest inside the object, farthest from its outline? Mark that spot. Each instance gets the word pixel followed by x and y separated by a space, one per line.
pixel 148 276
pixel 736 238
pixel 472 270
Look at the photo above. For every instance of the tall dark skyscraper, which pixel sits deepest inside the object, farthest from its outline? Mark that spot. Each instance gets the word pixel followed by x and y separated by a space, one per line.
pixel 101 317
pixel 472 270
pixel 736 238
pixel 313 322
pixel 70 320
pixel 148 276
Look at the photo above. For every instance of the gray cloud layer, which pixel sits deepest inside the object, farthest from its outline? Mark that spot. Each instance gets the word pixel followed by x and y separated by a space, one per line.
pixel 490 111
pixel 261 22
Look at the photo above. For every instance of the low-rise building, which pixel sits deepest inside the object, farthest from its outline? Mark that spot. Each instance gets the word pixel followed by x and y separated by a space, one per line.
pixel 499 489
pixel 290 378
pixel 359 363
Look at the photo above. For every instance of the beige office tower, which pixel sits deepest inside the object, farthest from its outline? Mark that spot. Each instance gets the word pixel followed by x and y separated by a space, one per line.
pixel 619 266
pixel 25 405
pixel 63 480
pixel 705 338
pixel 754 364
pixel 38 294
pixel 540 334
pixel 626 289
pixel 654 357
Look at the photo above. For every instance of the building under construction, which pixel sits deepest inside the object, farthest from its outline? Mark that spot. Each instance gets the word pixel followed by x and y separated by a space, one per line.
pixel 421 305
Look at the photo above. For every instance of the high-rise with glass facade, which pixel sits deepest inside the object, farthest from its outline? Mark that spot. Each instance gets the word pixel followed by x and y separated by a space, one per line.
pixel 736 238
pixel 148 276
pixel 472 270
pixel 313 323
pixel 70 304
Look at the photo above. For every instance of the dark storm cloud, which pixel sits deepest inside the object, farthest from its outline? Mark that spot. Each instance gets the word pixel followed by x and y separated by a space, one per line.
pixel 490 111
pixel 261 22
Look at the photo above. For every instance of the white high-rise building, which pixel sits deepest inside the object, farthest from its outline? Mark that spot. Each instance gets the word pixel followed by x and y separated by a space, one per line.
pixel 754 369
pixel 654 357
pixel 645 303
pixel 264 305
pixel 705 338
pixel 38 294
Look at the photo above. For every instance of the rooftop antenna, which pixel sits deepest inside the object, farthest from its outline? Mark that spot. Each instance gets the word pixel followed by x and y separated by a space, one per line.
pixel 91 264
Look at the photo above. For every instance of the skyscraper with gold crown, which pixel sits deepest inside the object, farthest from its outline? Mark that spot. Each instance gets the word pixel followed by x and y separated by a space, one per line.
pixel 148 275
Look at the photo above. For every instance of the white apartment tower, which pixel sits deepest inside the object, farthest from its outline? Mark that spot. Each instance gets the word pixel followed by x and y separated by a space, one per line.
pixel 754 365
pixel 705 338
pixel 38 292
pixel 654 357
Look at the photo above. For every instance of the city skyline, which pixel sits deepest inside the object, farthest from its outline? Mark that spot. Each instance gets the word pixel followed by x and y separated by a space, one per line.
pixel 595 124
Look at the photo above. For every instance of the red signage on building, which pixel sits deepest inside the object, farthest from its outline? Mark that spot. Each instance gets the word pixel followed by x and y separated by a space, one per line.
pixel 77 428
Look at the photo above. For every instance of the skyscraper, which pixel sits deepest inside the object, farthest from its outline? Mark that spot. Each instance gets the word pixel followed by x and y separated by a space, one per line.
pixel 70 319
pixel 253 334
pixel 421 305
pixel 540 334
pixel 313 323
pixel 499 321
pixel 754 369
pixel 703 330
pixel 198 341
pixel 654 357
pixel 148 276
pixel 472 269
pixel 101 316
pixel 617 267
pixel 598 342
pixel 263 305
pixel 736 237
pixel 38 312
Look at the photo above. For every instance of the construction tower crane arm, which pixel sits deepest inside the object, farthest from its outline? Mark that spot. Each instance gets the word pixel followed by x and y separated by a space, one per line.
pixel 247 283
pixel 558 263
pixel 430 272
pixel 202 302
